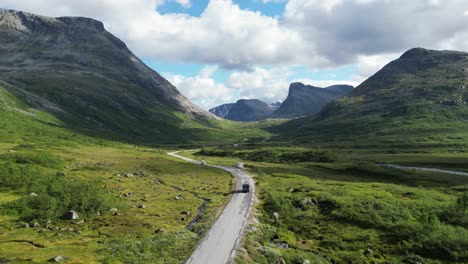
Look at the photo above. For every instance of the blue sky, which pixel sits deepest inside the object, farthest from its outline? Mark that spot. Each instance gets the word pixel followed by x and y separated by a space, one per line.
pixel 219 51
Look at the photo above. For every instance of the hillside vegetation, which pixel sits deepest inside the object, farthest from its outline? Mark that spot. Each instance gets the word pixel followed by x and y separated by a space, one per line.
pixel 418 100
pixel 348 210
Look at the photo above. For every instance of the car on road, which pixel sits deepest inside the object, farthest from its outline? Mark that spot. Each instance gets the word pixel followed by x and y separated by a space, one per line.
pixel 203 162
pixel 245 188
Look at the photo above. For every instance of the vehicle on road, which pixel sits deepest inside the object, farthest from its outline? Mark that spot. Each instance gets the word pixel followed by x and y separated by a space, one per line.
pixel 245 188
pixel 203 162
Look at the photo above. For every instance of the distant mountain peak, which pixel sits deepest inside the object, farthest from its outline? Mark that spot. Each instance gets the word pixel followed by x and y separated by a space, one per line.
pixel 244 110
pixel 307 100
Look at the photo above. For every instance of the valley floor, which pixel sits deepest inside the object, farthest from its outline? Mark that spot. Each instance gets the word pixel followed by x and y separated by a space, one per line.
pixel 162 205
pixel 350 210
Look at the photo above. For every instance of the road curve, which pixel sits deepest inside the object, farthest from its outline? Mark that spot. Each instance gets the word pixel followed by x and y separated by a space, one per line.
pixel 220 244
pixel 395 166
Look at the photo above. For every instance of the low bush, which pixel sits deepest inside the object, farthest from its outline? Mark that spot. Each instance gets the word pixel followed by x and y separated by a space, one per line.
pixel 273 155
pixel 56 193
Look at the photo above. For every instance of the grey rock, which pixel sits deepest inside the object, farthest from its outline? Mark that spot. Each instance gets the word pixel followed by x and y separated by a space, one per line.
pixel 57 259
pixel 276 215
pixel 368 252
pixel 24 225
pixel 70 215
pixel 33 194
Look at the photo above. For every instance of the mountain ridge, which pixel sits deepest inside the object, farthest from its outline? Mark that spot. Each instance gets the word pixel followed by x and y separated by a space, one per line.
pixel 74 68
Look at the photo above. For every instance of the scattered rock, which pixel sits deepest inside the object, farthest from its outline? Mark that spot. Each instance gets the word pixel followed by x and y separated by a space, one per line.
pixel 276 215
pixel 57 259
pixel 36 224
pixel 129 175
pixel 179 197
pixel 368 251
pixel 24 225
pixel 12 151
pixel 415 259
pixel 158 215
pixel 160 231
pixel 185 212
pixel 70 215
pixel 33 194
pixel 113 210
pixel 283 245
pixel 80 222
pixel 306 261
pixel 307 201
pixel 142 206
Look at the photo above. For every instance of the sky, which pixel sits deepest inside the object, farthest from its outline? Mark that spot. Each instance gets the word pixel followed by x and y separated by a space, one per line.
pixel 219 51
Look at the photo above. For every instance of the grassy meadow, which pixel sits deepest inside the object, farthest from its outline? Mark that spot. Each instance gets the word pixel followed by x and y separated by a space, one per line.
pixel 139 205
pixel 345 209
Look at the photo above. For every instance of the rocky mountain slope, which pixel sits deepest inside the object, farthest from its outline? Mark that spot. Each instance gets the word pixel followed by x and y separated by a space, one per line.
pixel 306 100
pixel 221 110
pixel 244 110
pixel 420 98
pixel 88 78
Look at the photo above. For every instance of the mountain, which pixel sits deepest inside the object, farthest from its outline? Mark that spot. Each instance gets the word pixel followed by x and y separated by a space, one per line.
pixel 244 110
pixel 275 105
pixel 75 69
pixel 305 100
pixel 221 110
pixel 418 99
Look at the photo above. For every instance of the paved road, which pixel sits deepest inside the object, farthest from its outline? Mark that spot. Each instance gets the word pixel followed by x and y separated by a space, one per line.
pixel 423 169
pixel 219 245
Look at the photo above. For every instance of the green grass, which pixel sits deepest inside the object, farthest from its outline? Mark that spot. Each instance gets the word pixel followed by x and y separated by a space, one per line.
pixel 72 171
pixel 337 211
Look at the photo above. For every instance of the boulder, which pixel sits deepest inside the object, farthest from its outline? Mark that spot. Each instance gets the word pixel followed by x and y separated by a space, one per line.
pixel 33 194
pixel 160 231
pixel 24 225
pixel 70 215
pixel 129 175
pixel 276 215
pixel 57 259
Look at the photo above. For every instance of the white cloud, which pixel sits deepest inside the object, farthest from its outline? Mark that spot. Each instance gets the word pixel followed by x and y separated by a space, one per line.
pixel 269 85
pixel 201 89
pixel 353 28
pixel 316 33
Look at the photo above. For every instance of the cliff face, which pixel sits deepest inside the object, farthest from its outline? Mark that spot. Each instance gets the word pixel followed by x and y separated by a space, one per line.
pixel 244 110
pixel 306 100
